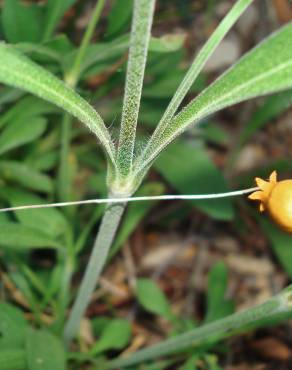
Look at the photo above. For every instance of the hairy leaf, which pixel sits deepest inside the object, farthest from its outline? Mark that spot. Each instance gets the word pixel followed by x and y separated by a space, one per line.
pixel 265 70
pixel 18 71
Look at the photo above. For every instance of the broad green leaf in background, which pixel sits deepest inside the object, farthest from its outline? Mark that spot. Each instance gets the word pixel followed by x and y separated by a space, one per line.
pixel 39 53
pixel 101 55
pixel 119 17
pixel 101 52
pixel 217 305
pixel 52 52
pixel 281 243
pixel 46 220
pixel 26 108
pixel 23 285
pixel 12 359
pixel 116 335
pixel 190 364
pixel 19 237
pixel 271 108
pixel 9 95
pixel 18 71
pixel 189 170
pixel 211 132
pixel 44 351
pixel 54 12
pixel 21 21
pixel 165 85
pixel 153 299
pixel 12 327
pixel 21 131
pixel 167 43
pixel 26 176
pixel 264 70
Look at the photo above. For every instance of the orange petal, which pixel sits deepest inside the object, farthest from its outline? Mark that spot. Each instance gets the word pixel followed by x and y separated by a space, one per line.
pixel 262 184
pixel 262 207
pixel 273 176
pixel 257 195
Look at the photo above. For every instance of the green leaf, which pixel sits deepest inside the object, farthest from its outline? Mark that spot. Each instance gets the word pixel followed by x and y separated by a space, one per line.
pixel 143 13
pixel 21 22
pixel 46 220
pixel 105 53
pixel 102 52
pixel 159 136
pixel 264 70
pixel 18 71
pixel 153 299
pixel 26 176
pixel 190 171
pixel 21 131
pixel 20 237
pixel 116 335
pixel 26 108
pixel 281 243
pixel 190 364
pixel 276 308
pixel 271 108
pixel 9 95
pixel 55 11
pixel 119 17
pixel 167 43
pixel 12 359
pixel 12 327
pixel 44 351
pixel 165 85
pixel 217 306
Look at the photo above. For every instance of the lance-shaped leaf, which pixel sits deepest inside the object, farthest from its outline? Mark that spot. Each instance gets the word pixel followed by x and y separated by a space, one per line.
pixel 266 69
pixel 18 71
pixel 139 42
pixel 195 69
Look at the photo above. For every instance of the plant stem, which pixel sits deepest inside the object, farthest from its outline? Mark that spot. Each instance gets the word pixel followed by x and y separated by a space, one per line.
pixel 103 242
pixel 64 175
pixel 276 308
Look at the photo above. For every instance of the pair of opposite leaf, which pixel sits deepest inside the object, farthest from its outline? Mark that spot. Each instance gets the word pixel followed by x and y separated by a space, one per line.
pixel 276 198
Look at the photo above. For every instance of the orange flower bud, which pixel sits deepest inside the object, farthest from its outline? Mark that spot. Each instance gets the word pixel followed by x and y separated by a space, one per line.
pixel 275 197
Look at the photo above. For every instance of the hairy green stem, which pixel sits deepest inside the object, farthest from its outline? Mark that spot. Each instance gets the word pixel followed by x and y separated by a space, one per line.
pixel 98 257
pixel 276 308
pixel 139 42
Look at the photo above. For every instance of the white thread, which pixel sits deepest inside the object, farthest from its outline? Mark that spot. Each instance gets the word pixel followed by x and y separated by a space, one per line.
pixel 133 199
